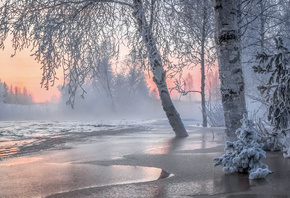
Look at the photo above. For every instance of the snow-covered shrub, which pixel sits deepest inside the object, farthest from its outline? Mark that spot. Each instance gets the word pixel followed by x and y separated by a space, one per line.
pixel 245 154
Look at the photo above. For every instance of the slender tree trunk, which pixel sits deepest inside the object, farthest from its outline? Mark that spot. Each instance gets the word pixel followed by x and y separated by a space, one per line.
pixel 230 69
pixel 202 69
pixel 109 91
pixel 111 98
pixel 159 74
pixel 203 107
pixel 262 27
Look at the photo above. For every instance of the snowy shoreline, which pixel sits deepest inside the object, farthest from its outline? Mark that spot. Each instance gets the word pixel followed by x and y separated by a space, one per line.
pixel 128 163
pixel 18 138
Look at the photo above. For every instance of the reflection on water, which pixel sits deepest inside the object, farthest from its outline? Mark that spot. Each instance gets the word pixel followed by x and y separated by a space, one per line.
pixel 194 142
pixel 8 148
pixel 166 147
pixel 4 152
pixel 19 160
pixel 142 173
pixel 219 185
pixel 236 182
pixel 38 178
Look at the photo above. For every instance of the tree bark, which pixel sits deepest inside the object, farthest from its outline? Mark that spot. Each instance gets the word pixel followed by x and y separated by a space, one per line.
pixel 203 107
pixel 202 69
pixel 230 69
pixel 159 74
pixel 262 26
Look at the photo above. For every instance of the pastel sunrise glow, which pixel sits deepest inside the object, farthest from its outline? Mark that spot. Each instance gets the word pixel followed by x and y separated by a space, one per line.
pixel 23 71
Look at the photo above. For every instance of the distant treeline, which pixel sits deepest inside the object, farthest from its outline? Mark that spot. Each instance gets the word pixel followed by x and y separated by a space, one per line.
pixel 14 95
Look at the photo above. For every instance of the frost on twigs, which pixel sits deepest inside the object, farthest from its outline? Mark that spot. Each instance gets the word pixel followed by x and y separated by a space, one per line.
pixel 269 137
pixel 245 154
pixel 275 68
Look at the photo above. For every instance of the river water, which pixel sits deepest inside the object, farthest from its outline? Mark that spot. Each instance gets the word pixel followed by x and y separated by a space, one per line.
pixel 21 134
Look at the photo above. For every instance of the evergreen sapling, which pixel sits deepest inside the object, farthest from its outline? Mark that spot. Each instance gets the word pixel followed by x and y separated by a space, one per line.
pixel 245 154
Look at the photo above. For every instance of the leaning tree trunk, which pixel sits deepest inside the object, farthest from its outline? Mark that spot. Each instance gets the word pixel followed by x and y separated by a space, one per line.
pixel 230 69
pixel 159 74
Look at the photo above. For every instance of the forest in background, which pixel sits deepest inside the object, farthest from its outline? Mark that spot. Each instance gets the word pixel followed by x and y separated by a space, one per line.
pixel 15 95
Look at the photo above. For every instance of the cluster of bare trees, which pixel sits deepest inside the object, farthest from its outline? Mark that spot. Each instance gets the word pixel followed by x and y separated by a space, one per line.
pixel 112 89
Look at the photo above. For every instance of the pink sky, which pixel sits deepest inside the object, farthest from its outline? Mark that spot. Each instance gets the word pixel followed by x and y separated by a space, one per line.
pixel 23 71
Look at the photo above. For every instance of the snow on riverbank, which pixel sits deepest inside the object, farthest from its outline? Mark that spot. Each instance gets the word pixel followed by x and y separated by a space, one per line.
pixel 20 134
pixel 29 136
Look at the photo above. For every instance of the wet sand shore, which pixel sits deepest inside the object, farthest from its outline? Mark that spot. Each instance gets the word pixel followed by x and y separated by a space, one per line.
pixel 141 163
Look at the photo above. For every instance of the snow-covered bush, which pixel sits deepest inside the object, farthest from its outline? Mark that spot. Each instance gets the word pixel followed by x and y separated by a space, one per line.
pixel 245 154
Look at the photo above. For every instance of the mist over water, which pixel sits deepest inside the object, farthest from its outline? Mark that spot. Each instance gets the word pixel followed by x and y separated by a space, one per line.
pixel 108 94
pixel 109 103
pixel 89 110
pixel 26 128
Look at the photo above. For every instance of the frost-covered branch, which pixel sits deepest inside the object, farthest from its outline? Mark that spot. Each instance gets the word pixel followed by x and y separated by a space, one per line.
pixel 119 2
pixel 66 34
pixel 181 87
pixel 276 92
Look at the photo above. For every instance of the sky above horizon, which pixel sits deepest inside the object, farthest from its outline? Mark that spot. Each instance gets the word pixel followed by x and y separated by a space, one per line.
pixel 23 71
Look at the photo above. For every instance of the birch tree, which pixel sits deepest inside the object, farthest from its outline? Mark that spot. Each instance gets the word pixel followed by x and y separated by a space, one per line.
pixel 69 34
pixel 198 18
pixel 195 46
pixel 230 69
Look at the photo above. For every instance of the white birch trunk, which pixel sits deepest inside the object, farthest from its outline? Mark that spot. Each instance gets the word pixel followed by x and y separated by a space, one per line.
pixel 230 69
pixel 159 74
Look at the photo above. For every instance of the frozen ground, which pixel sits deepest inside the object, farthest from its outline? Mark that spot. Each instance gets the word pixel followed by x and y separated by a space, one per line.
pixel 142 159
